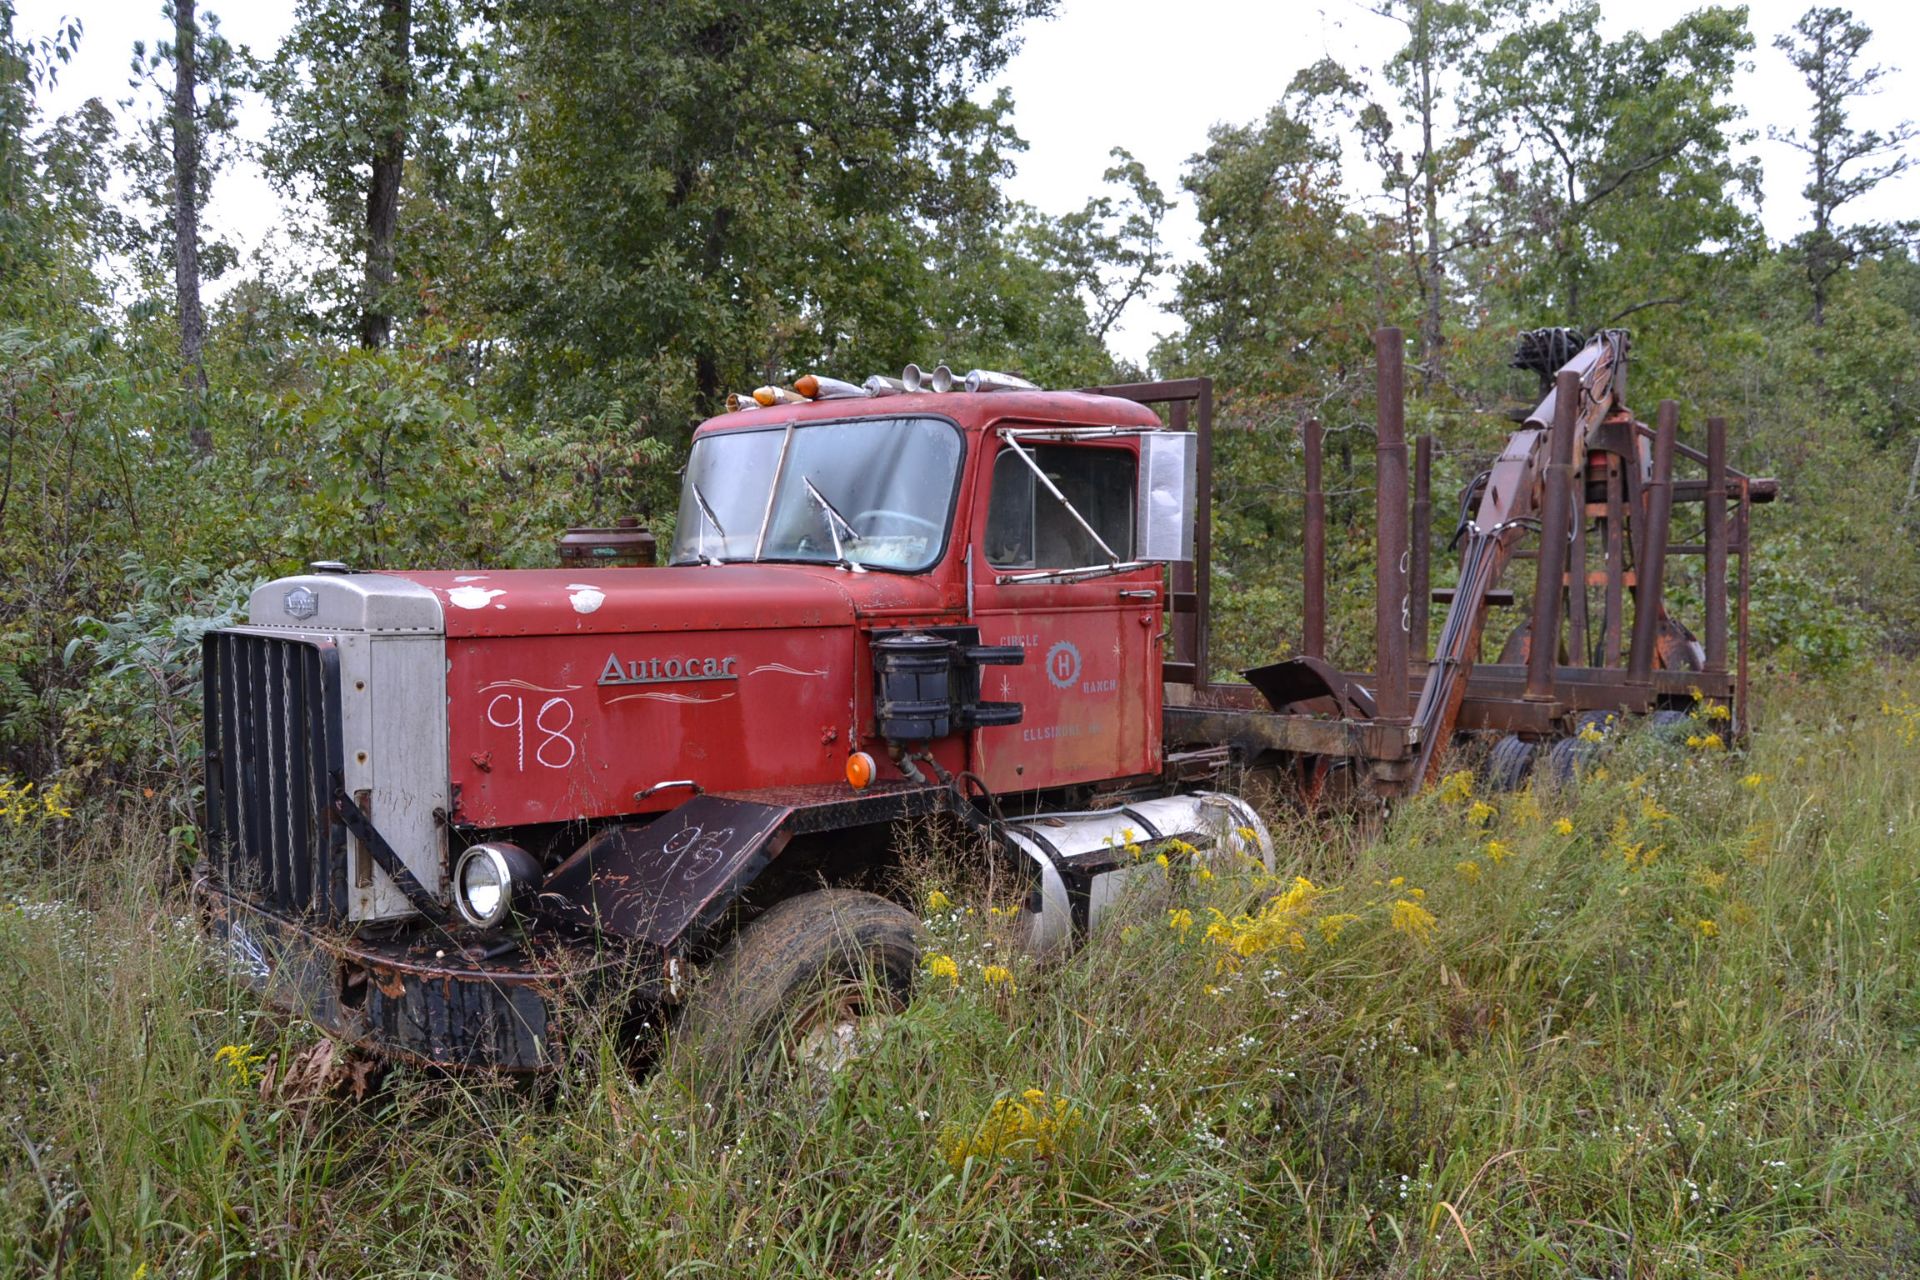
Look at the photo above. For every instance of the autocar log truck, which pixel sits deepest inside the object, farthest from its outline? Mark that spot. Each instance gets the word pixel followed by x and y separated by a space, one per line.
pixel 440 806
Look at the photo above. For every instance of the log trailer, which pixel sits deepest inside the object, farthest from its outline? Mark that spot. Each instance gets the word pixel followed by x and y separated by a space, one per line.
pixel 443 808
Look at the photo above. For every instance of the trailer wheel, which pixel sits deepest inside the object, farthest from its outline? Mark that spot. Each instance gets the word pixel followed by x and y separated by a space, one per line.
pixel 800 988
pixel 1567 758
pixel 1509 763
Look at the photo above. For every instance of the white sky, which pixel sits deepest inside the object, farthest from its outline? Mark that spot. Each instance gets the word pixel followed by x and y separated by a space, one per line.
pixel 1148 75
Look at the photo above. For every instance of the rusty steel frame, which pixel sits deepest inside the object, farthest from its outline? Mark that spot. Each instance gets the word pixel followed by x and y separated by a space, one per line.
pixel 1606 476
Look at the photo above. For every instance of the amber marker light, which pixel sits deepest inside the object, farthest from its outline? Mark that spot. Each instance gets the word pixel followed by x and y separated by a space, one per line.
pixel 807 385
pixel 859 770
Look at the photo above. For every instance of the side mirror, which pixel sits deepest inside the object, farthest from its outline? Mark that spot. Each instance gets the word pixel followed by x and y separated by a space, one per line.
pixel 1165 510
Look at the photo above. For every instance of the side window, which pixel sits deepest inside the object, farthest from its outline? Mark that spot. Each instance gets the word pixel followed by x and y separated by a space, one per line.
pixel 1029 528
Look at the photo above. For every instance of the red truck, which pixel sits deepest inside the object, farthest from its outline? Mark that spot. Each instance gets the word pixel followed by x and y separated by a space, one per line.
pixel 440 806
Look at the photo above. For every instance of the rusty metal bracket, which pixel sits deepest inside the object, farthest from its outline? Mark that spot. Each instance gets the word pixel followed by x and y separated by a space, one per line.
pixel 355 820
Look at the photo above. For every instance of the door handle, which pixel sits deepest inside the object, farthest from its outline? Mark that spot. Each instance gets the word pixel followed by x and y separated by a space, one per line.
pixel 1144 593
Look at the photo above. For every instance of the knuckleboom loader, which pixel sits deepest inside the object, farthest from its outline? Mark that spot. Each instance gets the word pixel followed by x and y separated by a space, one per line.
pixel 441 806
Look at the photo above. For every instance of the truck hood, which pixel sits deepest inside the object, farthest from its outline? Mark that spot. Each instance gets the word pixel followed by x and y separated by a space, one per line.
pixel 523 602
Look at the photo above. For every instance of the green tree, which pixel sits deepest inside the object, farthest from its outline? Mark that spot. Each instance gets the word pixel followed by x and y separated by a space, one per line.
pixel 1825 47
pixel 384 113
pixel 707 194
pixel 174 156
pixel 1613 187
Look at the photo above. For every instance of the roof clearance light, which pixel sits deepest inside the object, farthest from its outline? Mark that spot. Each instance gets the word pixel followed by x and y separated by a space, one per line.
pixel 988 380
pixel 815 387
pixel 778 395
pixel 859 770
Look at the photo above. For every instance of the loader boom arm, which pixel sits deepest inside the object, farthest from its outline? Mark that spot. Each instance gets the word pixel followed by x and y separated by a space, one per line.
pixel 1513 497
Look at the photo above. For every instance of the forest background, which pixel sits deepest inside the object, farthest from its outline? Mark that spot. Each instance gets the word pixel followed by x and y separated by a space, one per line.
pixel 543 239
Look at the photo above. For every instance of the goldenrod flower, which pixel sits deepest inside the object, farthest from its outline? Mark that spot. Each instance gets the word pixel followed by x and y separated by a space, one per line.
pixel 1469 870
pixel 1413 920
pixel 1563 826
pixel 239 1060
pixel 1332 926
pixel 1457 787
pixel 1754 781
pixel 1480 813
pixel 1708 929
pixel 998 975
pixel 1497 853
pixel 1180 920
pixel 1032 1126
pixel 1590 734
pixel 938 901
pixel 943 966
pixel 1705 741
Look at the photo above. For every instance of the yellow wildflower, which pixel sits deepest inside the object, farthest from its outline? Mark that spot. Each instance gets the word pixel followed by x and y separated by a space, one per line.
pixel 1413 920
pixel 1708 929
pixel 1215 992
pixel 1590 734
pixel 943 966
pixel 1332 926
pixel 1497 853
pixel 1713 880
pixel 938 901
pixel 1480 813
pixel 1277 924
pixel 1563 826
pixel 1396 882
pixel 1203 872
pixel 1650 810
pixel 1032 1126
pixel 1457 787
pixel 239 1060
pixel 1715 711
pixel 1469 870
pixel 998 975
pixel 1705 742
pixel 1754 781
pixel 1180 920
pixel 1161 859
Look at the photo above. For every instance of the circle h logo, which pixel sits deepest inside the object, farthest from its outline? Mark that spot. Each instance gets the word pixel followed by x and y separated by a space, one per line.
pixel 1063 664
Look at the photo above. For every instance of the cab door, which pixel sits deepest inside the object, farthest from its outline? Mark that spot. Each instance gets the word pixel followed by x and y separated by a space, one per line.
pixel 1090 685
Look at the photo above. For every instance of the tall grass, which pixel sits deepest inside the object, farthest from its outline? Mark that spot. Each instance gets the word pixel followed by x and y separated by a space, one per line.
pixel 1662 1024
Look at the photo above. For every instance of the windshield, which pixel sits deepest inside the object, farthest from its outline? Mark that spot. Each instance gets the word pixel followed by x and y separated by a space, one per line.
pixel 877 492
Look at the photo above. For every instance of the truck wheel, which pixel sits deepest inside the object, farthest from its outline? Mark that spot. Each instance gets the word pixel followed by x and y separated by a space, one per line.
pixel 800 987
pixel 1509 763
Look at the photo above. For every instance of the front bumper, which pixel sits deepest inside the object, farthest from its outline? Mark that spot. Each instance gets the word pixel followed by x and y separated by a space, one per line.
pixel 429 995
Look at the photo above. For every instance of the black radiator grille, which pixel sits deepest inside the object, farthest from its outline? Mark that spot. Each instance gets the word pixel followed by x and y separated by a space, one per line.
pixel 274 758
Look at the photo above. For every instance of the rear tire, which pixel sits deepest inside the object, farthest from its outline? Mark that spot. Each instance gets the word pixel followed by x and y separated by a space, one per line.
pixel 806 977
pixel 1509 763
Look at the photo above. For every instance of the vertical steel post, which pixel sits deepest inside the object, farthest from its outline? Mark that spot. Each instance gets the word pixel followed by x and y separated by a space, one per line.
pixel 1716 522
pixel 1543 648
pixel 1313 609
pixel 1421 589
pixel 1616 551
pixel 1651 571
pixel 1390 508
pixel 1577 643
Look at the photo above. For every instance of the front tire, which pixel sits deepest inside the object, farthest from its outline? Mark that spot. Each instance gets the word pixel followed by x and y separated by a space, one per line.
pixel 799 985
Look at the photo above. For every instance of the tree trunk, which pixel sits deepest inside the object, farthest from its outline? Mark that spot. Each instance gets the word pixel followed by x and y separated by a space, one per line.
pixel 186 221
pixel 1431 333
pixel 389 158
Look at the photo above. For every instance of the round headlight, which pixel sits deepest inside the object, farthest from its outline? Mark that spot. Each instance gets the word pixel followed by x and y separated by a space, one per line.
pixel 488 879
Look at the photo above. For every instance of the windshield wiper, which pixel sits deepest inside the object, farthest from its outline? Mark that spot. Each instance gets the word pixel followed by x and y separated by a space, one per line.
pixel 833 514
pixel 700 499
